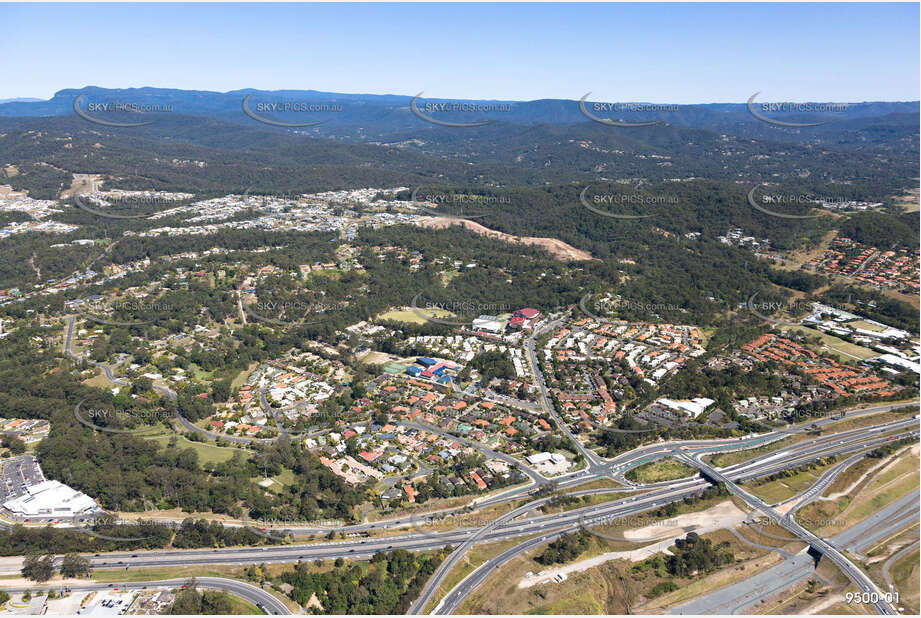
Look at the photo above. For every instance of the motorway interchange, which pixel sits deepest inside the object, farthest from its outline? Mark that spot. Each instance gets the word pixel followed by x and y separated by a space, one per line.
pixel 548 527
pixel 852 443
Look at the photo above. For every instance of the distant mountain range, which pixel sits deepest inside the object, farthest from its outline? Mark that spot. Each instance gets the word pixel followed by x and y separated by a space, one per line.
pixel 206 142
pixel 387 118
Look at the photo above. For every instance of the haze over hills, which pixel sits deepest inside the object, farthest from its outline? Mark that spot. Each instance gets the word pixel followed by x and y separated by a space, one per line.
pixel 636 336
pixel 377 137
pixel 367 117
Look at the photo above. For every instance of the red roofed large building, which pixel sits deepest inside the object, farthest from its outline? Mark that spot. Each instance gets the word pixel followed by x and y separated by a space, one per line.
pixel 527 313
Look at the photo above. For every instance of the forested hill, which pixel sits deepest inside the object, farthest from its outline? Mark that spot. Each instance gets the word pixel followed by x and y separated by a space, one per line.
pixel 200 154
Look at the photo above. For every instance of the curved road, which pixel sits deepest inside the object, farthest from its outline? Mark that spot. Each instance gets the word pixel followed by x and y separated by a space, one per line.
pixel 262 599
pixel 887 566
pixel 744 471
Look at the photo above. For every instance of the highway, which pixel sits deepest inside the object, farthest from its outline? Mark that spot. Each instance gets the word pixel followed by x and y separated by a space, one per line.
pixel 745 595
pixel 761 466
pixel 436 579
pixel 262 599
pixel 550 526
pixel 853 572
pixel 429 540
pixel 828 477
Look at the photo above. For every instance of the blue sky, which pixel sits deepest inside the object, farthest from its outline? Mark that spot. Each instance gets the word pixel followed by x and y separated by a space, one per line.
pixel 678 53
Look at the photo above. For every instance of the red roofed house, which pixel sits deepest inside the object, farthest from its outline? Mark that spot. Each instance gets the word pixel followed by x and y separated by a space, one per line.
pixel 476 479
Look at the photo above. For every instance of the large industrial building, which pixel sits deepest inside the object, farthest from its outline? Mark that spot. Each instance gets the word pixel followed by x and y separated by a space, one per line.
pixel 489 324
pixel 50 499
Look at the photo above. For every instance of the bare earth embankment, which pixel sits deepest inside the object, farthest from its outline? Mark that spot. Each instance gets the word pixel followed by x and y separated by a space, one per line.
pixel 557 248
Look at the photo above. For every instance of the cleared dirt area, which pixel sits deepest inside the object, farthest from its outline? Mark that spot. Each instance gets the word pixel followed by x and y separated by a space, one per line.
pixel 557 248
pixel 83 183
pixel 612 587
pixel 723 515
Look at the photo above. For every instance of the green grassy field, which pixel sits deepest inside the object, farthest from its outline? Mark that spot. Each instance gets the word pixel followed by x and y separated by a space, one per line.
pixel 660 470
pixel 905 577
pixel 241 377
pixel 99 381
pixel 412 316
pixel 773 492
pixel 207 453
pixel 865 326
pixel 841 348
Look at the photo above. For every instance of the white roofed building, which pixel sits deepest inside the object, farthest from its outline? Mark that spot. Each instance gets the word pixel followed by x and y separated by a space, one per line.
pixel 695 407
pixel 488 323
pixel 51 499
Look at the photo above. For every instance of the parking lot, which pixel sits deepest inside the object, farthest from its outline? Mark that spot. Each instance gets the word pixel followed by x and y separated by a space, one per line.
pixel 16 474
